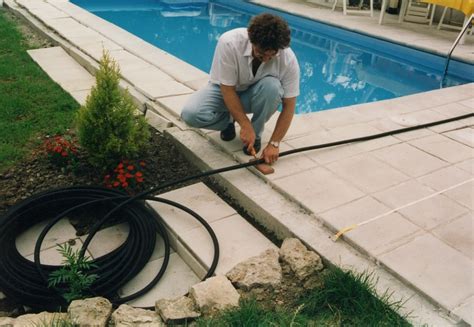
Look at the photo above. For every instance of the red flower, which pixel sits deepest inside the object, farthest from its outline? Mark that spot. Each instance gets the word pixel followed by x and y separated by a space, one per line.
pixel 120 166
pixel 139 174
pixel 124 185
pixel 116 184
pixel 139 179
pixel 130 167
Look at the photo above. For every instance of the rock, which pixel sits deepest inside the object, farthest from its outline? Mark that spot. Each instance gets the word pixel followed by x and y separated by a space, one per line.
pixel 93 312
pixel 40 319
pixel 6 322
pixel 214 294
pixel 177 310
pixel 127 316
pixel 260 271
pixel 302 262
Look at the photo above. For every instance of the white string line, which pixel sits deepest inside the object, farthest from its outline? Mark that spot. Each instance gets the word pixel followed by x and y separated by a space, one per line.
pixel 351 227
pixel 414 202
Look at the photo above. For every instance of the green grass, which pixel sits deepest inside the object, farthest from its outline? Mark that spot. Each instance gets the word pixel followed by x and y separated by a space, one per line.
pixel 345 299
pixel 251 314
pixel 348 299
pixel 31 104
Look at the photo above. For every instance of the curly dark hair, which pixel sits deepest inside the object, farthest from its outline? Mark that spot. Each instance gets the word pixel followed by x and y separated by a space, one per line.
pixel 269 32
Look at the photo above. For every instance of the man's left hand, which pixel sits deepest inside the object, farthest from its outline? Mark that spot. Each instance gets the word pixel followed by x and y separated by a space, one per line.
pixel 270 154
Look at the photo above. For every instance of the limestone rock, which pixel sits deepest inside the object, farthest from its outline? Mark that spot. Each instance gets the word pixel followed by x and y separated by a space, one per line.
pixel 303 263
pixel 93 312
pixel 7 322
pixel 40 319
pixel 260 271
pixel 127 316
pixel 177 310
pixel 215 294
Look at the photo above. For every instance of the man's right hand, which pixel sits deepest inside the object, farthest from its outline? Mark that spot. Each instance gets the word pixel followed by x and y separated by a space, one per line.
pixel 247 135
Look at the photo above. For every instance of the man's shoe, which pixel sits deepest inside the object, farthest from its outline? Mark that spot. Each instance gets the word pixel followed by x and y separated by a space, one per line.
pixel 228 134
pixel 257 146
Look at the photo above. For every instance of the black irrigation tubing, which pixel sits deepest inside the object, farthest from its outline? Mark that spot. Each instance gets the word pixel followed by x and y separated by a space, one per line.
pixel 26 281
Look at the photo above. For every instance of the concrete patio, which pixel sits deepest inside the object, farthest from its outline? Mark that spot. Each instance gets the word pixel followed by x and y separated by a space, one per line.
pixel 412 192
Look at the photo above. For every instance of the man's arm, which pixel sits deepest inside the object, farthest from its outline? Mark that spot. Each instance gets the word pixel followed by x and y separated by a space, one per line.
pixel 270 153
pixel 232 101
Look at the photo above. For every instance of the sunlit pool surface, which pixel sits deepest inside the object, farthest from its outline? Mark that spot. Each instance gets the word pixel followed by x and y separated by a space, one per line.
pixel 338 67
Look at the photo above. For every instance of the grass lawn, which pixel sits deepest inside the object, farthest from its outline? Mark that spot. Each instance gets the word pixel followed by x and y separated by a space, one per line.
pixel 31 104
pixel 345 299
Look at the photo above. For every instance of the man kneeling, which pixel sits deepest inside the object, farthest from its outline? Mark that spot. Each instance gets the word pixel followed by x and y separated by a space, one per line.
pixel 253 71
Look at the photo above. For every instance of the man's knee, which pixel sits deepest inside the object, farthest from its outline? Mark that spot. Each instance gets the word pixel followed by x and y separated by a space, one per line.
pixel 188 114
pixel 270 86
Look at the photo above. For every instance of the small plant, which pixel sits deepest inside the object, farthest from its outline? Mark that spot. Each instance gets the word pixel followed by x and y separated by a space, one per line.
pixel 127 176
pixel 108 127
pixel 73 276
pixel 62 151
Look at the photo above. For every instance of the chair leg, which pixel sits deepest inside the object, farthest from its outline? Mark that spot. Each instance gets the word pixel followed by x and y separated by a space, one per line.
pixel 334 5
pixel 382 11
pixel 442 18
pixel 371 8
pixel 344 7
pixel 403 11
pixel 433 9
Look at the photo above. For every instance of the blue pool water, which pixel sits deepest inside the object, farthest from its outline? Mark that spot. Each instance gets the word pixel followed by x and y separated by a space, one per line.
pixel 338 67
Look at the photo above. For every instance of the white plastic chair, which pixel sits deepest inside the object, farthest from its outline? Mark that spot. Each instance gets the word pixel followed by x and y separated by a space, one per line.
pixel 346 11
pixel 418 12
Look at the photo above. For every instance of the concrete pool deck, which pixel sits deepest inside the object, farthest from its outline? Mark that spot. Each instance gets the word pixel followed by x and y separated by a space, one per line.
pixel 419 185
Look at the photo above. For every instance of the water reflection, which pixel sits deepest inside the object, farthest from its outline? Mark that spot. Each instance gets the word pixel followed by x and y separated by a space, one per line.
pixel 334 72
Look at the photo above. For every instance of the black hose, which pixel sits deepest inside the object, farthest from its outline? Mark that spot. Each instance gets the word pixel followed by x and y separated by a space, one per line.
pixel 26 281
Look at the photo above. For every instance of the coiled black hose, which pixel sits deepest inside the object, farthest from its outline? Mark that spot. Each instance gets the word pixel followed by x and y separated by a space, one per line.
pixel 26 281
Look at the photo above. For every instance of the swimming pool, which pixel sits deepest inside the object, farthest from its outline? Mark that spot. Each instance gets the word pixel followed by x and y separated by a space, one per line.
pixel 338 67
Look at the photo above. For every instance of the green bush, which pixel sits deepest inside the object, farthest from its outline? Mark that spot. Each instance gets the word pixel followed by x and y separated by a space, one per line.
pixel 108 128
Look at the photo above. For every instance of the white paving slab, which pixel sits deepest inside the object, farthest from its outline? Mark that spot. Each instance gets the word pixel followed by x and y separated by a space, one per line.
pixel 444 148
pixel 434 211
pixel 55 62
pixel 409 160
pixel 433 267
pixel 176 282
pixel 238 241
pixel 59 233
pixel 458 234
pixel 319 189
pixel 199 198
pixel 367 172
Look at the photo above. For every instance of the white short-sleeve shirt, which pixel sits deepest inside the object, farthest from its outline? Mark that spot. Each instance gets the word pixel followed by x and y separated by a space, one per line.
pixel 232 64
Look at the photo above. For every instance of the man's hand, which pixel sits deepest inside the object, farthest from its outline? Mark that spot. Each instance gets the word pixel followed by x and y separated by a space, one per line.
pixel 270 154
pixel 247 135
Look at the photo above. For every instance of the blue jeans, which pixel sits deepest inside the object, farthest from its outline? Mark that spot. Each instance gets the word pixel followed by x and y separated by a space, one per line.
pixel 206 108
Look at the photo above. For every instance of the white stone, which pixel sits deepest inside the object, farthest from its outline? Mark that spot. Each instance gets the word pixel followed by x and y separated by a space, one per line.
pixel 179 309
pixel 260 271
pixel 92 312
pixel 214 294
pixel 127 316
pixel 41 319
pixel 303 263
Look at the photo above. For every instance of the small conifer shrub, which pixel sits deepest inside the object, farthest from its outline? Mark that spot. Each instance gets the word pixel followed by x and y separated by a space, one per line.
pixel 108 127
